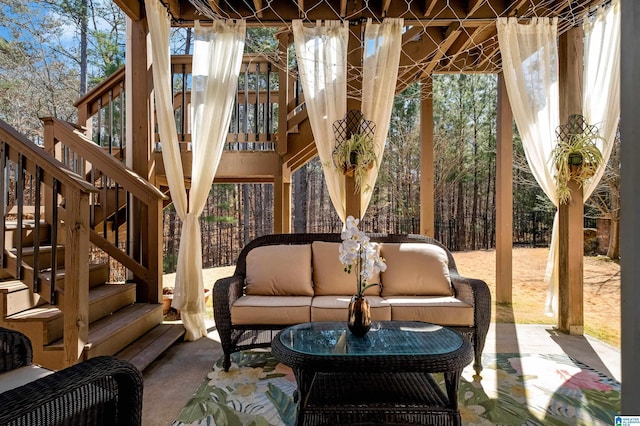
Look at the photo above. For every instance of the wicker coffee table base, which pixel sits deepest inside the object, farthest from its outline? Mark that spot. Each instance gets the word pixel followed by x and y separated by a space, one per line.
pixel 377 398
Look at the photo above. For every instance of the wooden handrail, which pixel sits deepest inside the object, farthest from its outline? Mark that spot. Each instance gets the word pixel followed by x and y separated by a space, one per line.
pixel 83 146
pixel 101 91
pixel 35 155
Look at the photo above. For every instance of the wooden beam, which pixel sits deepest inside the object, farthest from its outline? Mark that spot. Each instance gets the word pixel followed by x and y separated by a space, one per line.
pixel 174 9
pixel 427 174
pixel 461 44
pixel 571 216
pixel 258 5
pixel 428 7
pixel 417 50
pixel 451 35
pixel 504 195
pixel 215 5
pixel 385 7
pixel 130 7
pixel 473 6
pixel 630 174
pixel 343 8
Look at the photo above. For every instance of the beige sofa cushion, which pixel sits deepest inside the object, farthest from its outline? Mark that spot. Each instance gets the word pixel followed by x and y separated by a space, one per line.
pixel 415 269
pixel 437 310
pixel 271 310
pixel 279 270
pixel 335 308
pixel 329 277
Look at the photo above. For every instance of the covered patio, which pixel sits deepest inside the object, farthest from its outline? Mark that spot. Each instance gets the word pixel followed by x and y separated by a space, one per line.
pixel 439 37
pixel 167 156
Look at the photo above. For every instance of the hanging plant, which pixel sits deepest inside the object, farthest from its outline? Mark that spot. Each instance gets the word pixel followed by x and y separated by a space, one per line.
pixel 355 156
pixel 575 157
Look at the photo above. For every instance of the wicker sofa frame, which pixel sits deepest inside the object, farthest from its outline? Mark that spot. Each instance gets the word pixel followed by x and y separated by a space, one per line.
pixel 100 391
pixel 235 337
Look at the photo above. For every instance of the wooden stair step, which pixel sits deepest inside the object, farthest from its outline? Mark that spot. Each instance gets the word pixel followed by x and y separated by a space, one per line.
pixel 154 343
pixel 15 296
pixel 110 334
pixel 44 259
pixel 108 298
pixel 27 233
pixel 104 300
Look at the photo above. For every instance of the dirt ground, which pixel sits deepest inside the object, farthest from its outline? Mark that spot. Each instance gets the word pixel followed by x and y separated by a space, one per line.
pixel 601 289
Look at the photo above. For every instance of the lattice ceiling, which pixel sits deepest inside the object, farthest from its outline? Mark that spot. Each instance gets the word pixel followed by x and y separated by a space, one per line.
pixel 442 36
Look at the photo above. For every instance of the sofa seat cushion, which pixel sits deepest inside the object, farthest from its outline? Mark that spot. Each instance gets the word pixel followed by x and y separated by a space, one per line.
pixel 335 308
pixel 415 270
pixel 271 310
pixel 329 277
pixel 21 376
pixel 279 270
pixel 434 309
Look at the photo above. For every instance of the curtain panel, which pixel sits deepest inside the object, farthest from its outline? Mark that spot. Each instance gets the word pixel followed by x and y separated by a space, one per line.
pixel 530 67
pixel 217 59
pixel 321 53
pixel 382 46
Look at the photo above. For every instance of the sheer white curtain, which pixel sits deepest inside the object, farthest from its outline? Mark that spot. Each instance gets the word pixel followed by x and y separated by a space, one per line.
pixel 322 61
pixel 382 46
pixel 321 53
pixel 217 58
pixel 530 66
pixel 601 102
pixel 529 62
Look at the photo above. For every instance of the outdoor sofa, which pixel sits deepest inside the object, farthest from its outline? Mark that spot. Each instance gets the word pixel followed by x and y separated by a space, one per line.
pixel 285 279
pixel 100 391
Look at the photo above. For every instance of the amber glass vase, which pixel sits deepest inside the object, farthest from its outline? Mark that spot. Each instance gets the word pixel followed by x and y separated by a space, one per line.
pixel 359 321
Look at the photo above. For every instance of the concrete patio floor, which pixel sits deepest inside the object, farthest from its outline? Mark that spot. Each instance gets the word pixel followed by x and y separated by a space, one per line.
pixel 171 380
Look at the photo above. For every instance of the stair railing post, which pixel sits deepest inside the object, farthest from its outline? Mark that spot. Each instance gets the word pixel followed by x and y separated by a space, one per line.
pixel 76 282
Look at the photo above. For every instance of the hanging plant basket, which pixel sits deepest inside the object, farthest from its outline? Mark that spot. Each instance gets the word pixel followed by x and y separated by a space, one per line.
pixel 575 155
pixel 354 154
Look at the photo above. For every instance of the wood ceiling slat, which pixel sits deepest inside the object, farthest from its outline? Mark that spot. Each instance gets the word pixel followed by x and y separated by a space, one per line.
pixel 258 5
pixel 428 7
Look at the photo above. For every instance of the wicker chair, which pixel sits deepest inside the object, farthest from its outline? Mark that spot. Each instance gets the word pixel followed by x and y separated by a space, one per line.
pixel 227 290
pixel 99 391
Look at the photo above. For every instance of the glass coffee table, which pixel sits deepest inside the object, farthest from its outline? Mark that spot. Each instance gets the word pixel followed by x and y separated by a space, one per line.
pixel 383 377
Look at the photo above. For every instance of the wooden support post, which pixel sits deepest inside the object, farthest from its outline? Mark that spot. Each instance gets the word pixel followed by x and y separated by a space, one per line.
pixel 282 202
pixel 427 197
pixel 504 195
pixel 571 216
pixel 76 287
pixel 152 249
pixel 630 243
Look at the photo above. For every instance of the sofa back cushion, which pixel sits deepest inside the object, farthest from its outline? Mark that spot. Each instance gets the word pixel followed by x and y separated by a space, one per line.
pixel 279 270
pixel 415 269
pixel 329 277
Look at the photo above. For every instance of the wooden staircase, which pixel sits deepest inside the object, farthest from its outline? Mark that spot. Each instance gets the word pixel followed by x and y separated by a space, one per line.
pixel 43 284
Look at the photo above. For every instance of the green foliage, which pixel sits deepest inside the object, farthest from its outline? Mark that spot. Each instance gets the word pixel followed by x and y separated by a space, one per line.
pixel 577 158
pixel 355 157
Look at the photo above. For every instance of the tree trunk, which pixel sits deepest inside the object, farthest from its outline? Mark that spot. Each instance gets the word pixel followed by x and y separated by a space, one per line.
pixel 614 240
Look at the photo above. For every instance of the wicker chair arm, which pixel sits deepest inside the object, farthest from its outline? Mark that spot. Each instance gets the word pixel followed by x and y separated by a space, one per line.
pixel 226 291
pixel 15 350
pixel 101 390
